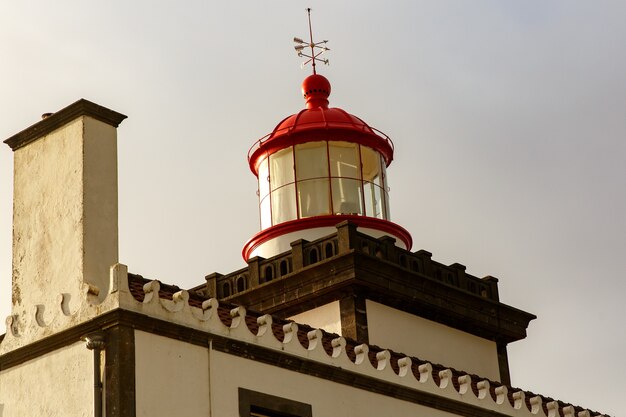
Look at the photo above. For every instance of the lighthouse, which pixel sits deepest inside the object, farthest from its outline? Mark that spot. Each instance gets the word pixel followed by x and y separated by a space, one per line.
pixel 317 168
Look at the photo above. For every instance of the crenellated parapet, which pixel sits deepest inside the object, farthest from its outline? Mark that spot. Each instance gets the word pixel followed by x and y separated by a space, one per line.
pixel 349 265
pixel 304 254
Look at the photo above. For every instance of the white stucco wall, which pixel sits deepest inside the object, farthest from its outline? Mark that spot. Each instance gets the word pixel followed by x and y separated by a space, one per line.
pixel 228 373
pixel 172 377
pixel 326 317
pixel 25 389
pixel 431 341
pixel 65 213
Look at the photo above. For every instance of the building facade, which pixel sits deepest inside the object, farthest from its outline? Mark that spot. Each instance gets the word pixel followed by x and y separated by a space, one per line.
pixel 332 316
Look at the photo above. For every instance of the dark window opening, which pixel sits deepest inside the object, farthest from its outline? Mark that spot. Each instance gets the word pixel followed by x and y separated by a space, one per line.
pixel 241 284
pixel 269 273
pixel 330 250
pixel 415 266
pixel 226 289
pixel 284 267
pixel 257 404
pixel 313 256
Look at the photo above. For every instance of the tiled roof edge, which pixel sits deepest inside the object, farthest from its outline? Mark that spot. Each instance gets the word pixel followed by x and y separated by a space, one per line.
pixel 382 361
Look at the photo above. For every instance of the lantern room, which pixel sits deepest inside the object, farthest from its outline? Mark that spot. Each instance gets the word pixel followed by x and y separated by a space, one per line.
pixel 317 168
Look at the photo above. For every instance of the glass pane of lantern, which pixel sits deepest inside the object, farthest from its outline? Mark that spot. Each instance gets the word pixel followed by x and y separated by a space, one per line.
pixel 311 160
pixel 373 200
pixel 264 184
pixel 344 160
pixel 383 185
pixel 382 181
pixel 378 201
pixel 347 196
pixel 371 165
pixel 386 197
pixel 266 214
pixel 313 197
pixel 368 193
pixel 284 204
pixel 281 168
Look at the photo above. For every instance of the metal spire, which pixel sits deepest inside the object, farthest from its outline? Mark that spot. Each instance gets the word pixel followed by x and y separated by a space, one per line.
pixel 317 48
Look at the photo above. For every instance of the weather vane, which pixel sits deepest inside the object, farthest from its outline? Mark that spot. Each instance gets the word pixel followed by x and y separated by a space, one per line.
pixel 317 48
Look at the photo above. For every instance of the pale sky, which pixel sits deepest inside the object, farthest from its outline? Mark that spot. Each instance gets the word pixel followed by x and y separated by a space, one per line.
pixel 508 120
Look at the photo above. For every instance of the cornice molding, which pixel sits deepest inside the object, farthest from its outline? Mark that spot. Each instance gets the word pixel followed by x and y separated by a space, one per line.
pixel 62 117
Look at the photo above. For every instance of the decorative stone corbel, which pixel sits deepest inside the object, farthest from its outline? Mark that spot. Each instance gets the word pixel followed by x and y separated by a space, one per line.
pixel 151 292
pixel 361 352
pixel 384 360
pixel 502 395
pixel 265 325
pixel 483 389
pixel 315 339
pixel 238 314
pixel 426 371
pixel 465 384
pixel 519 400
pixel 445 379
pixel 11 323
pixel 39 315
pixel 568 411
pixel 405 366
pixel 553 409
pixel 291 333
pixel 535 404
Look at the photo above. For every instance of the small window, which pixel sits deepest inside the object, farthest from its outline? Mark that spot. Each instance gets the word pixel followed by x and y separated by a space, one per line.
pixel 241 284
pixel 226 291
pixel 330 250
pixel 269 273
pixel 284 267
pixel 313 258
pixel 257 404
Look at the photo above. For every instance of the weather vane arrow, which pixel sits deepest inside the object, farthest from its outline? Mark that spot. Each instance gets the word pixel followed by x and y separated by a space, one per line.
pixel 317 48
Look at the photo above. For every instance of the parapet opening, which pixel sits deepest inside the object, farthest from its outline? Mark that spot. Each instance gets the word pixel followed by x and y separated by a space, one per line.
pixel 226 289
pixel 313 256
pixel 241 283
pixel 268 273
pixel 330 250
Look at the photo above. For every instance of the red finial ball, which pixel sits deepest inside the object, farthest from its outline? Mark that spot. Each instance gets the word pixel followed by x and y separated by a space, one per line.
pixel 316 89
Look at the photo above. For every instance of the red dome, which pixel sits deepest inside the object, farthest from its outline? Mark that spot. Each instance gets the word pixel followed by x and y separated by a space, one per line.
pixel 319 122
pixel 316 89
